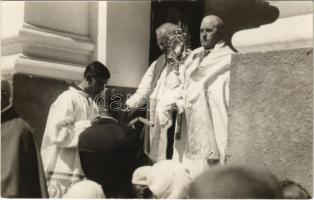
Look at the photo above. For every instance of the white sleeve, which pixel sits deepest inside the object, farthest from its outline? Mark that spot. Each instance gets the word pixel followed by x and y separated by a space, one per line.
pixel 60 133
pixel 226 89
pixel 143 91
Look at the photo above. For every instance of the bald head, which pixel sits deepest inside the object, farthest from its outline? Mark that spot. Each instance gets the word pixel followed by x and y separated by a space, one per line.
pixel 162 34
pixel 5 92
pixel 210 31
pixel 228 182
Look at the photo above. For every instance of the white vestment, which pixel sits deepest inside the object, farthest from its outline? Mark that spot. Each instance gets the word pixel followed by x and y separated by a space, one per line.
pixel 205 96
pixel 59 147
pixel 159 110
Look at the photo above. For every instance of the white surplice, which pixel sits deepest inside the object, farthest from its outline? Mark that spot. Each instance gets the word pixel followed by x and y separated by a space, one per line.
pixel 59 147
pixel 159 114
pixel 206 97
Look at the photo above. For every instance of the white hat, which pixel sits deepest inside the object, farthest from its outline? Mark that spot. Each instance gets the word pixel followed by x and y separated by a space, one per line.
pixel 169 179
pixel 85 190
pixel 140 175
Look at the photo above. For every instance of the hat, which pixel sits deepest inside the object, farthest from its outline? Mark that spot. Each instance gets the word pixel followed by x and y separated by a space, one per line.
pixel 140 175
pixel 166 179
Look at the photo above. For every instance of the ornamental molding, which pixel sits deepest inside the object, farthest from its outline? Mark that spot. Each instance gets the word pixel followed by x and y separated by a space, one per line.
pixel 55 45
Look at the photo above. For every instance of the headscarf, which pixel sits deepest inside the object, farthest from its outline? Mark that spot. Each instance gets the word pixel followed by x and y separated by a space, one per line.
pixel 166 179
pixel 85 190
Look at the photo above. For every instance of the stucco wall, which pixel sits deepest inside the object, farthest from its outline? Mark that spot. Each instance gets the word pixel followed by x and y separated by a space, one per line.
pixel 128 30
pixel 270 112
pixel 71 17
pixel 12 17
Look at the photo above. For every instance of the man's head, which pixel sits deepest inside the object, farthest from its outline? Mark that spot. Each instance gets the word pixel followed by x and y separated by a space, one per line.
pixel 96 76
pixel 5 92
pixel 162 34
pixel 211 31
pixel 235 182
pixel 293 190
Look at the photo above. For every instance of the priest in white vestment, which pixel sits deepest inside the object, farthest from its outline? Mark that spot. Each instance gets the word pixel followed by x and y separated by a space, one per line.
pixel 71 113
pixel 205 76
pixel 160 78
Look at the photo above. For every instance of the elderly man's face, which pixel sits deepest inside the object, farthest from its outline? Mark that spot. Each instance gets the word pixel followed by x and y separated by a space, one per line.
pixel 209 33
pixel 162 42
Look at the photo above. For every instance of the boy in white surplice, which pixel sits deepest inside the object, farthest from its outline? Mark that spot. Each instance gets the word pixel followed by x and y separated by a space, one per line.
pixel 72 112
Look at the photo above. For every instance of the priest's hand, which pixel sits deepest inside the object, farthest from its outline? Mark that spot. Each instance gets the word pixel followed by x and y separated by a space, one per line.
pixel 65 123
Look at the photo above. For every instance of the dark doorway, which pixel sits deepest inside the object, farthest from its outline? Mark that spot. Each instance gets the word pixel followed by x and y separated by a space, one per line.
pixel 186 14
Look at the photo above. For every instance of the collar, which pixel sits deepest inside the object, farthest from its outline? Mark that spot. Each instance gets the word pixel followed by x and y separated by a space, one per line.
pixel 218 45
pixel 204 52
pixel 8 114
pixel 105 118
pixel 6 108
pixel 76 88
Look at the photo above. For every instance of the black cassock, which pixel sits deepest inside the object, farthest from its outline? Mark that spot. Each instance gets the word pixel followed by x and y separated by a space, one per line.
pixel 22 174
pixel 103 150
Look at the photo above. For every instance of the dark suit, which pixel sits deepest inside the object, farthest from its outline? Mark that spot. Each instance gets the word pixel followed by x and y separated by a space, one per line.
pixel 103 151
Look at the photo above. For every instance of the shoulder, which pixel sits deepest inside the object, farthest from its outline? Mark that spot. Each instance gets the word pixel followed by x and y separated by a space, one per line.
pixel 197 50
pixel 65 96
pixel 228 50
pixel 22 127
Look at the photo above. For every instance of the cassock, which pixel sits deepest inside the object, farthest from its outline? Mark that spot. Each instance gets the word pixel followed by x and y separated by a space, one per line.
pixel 68 116
pixel 206 76
pixel 153 86
pixel 22 174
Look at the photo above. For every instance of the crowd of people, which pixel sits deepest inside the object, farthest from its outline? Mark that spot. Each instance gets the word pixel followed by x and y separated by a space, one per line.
pixel 86 154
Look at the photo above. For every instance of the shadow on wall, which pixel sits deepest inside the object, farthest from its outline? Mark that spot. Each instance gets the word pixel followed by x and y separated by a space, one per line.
pixel 240 15
pixel 32 98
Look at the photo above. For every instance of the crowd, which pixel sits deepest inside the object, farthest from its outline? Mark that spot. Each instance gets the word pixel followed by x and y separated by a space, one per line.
pixel 86 154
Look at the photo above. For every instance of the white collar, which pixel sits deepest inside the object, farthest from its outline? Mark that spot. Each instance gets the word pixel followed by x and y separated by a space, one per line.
pixel 6 108
pixel 83 93
pixel 108 117
pixel 218 45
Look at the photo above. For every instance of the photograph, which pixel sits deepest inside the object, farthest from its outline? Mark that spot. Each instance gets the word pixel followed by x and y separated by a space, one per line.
pixel 157 99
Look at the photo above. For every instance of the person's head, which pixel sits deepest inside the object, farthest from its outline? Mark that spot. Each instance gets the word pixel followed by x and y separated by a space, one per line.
pixel 211 31
pixel 293 190
pixel 85 189
pixel 165 179
pixel 140 183
pixel 5 92
pixel 235 182
pixel 110 102
pixel 162 34
pixel 96 76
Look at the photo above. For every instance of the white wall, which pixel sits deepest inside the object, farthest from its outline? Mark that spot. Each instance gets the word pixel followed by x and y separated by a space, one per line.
pixel 69 17
pixel 293 29
pixel 12 17
pixel 293 8
pixel 128 36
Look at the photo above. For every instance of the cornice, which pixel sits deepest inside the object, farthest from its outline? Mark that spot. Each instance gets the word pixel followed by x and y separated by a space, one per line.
pixel 48 69
pixel 55 45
